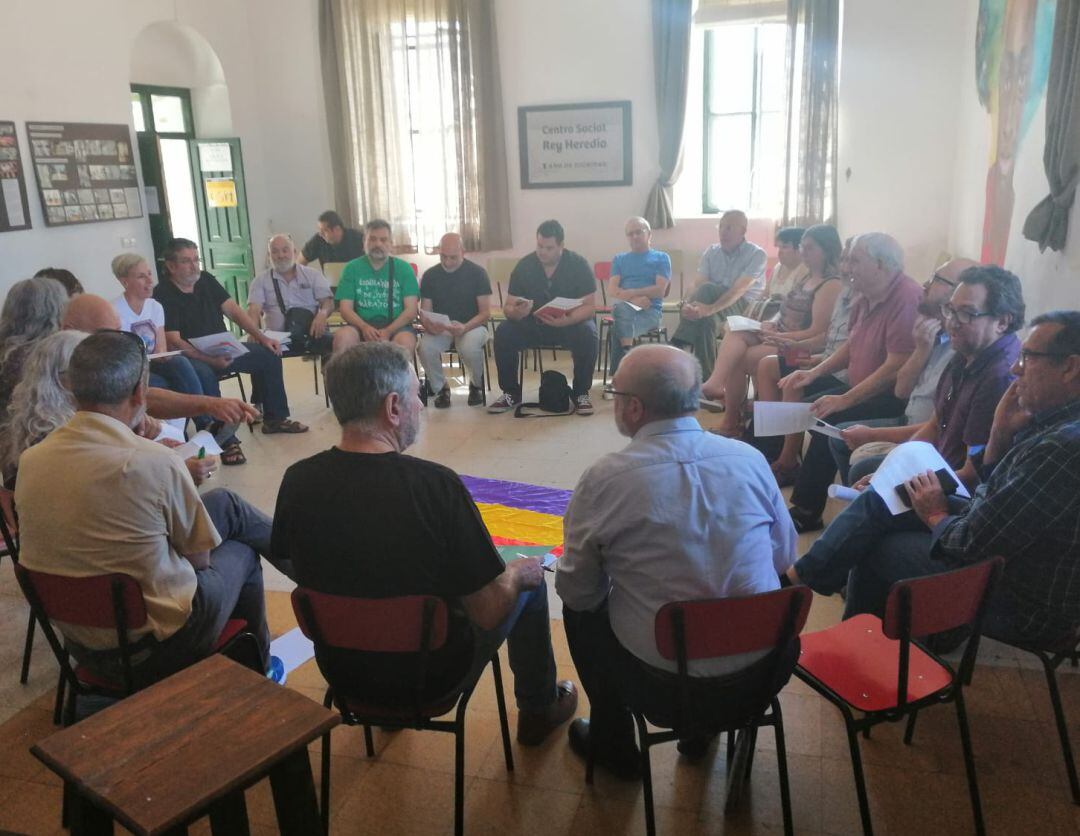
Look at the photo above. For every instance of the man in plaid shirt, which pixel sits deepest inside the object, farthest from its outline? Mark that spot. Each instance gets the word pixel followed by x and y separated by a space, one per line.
pixel 1027 509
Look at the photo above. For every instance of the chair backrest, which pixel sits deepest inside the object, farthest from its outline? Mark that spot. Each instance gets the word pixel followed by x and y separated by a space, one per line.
pixel 332 271
pixel 727 626
pixel 602 271
pixel 678 261
pixel 93 601
pixel 935 603
pixel 499 269
pixel 415 268
pixel 376 625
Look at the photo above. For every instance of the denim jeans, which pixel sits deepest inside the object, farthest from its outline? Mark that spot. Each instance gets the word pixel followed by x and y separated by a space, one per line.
pixel 514 335
pixel 628 324
pixel 700 334
pixel 267 380
pixel 177 374
pixel 527 633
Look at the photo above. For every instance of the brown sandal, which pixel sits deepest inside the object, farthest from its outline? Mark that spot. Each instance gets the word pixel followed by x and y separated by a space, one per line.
pixel 285 425
pixel 233 455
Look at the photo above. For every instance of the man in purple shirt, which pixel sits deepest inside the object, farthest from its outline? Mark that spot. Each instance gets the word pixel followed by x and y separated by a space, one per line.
pixel 880 340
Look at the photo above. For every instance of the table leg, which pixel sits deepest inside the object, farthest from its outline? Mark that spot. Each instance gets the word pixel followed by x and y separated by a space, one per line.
pixel 229 817
pixel 87 819
pixel 294 795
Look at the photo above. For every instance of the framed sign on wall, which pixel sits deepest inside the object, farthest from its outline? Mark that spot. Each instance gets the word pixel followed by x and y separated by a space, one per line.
pixel 85 172
pixel 575 145
pixel 14 210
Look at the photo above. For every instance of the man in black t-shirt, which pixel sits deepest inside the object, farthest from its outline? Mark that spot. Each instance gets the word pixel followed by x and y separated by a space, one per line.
pixel 460 290
pixel 194 303
pixel 333 243
pixel 538 278
pixel 364 519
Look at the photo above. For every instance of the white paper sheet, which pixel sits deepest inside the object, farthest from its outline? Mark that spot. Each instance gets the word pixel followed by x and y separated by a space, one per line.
pixel 220 345
pixel 161 354
pixel 201 440
pixel 843 493
pixel 437 318
pixel 742 323
pixel 293 649
pixel 819 426
pixel 283 337
pixel 904 462
pixel 779 418
pixel 632 306
pixel 13 202
pixel 560 303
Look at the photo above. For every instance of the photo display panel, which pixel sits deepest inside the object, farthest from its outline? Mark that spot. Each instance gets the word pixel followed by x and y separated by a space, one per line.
pixel 14 209
pixel 85 172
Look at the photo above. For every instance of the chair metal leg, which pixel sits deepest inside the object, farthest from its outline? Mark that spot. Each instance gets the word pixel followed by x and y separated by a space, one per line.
pixel 736 778
pixel 315 372
pixel 909 731
pixel 590 757
pixel 646 775
pixel 324 795
pixel 28 648
pixel 860 778
pixel 969 763
pixel 730 748
pixel 1062 727
pixel 58 706
pixel 369 743
pixel 781 767
pixel 459 770
pixel 500 700
pixel 752 731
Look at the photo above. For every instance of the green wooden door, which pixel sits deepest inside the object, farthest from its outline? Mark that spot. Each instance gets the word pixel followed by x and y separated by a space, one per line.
pixel 160 222
pixel 221 202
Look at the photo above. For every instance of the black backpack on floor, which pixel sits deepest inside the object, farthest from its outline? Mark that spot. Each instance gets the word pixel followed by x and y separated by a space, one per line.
pixel 556 398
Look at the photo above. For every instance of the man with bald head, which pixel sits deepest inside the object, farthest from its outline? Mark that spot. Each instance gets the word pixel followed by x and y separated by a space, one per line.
pixel 677 514
pixel 90 313
pixel 460 290
pixel 288 285
pixel 730 278
pixel 639 280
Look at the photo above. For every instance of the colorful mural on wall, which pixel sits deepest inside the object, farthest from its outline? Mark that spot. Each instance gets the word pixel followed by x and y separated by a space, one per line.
pixel 1012 61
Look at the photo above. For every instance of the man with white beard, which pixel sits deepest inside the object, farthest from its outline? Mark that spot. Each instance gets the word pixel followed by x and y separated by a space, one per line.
pixel 288 285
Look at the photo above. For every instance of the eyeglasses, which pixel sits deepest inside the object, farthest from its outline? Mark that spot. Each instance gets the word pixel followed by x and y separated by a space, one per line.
pixel 128 335
pixel 937 277
pixel 195 262
pixel 964 317
pixel 624 394
pixel 1025 353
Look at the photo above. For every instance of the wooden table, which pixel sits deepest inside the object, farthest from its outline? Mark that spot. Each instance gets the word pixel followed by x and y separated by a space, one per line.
pixel 188 746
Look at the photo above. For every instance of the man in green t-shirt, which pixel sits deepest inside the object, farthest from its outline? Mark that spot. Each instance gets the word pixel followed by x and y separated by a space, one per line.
pixel 378 295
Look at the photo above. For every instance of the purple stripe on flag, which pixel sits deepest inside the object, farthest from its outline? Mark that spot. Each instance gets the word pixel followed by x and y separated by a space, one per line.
pixel 518 495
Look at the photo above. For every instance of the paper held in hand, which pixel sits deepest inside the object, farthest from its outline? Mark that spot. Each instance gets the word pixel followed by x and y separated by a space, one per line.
pixel 560 304
pixel 200 441
pixel 905 462
pixel 161 354
pixel 283 337
pixel 742 323
pixel 220 345
pixel 778 418
pixel 437 318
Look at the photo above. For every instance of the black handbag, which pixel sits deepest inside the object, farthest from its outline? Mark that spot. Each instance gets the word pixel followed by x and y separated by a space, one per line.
pixel 297 321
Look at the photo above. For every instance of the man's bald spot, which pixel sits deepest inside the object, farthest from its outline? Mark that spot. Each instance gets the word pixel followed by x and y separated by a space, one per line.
pixel 952 268
pixel 281 237
pixel 637 223
pixel 452 241
pixel 90 313
pixel 646 363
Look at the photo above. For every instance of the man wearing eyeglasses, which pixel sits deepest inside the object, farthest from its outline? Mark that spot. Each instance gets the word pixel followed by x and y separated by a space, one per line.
pixel 194 303
pixel 678 513
pixel 1025 510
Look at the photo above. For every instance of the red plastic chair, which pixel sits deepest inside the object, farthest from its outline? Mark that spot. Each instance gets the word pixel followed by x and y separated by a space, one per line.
pixel 409 624
pixel 708 629
pixel 109 602
pixel 878 668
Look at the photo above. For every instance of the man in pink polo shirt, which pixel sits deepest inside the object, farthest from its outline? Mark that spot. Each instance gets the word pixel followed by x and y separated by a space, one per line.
pixel 879 342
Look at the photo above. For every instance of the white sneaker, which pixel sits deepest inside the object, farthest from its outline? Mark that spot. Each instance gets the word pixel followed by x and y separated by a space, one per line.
pixel 583 404
pixel 505 403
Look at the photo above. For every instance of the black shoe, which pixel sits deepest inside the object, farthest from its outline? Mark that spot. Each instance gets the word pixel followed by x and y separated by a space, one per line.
pixel 476 394
pixel 442 400
pixel 534 726
pixel 805 520
pixel 694 748
pixel 625 765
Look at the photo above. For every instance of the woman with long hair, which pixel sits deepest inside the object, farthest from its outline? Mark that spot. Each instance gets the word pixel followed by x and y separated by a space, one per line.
pixel 32 310
pixel 804 314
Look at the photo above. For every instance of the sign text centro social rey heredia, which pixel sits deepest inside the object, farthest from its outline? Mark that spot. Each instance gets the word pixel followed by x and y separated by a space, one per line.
pixel 570 134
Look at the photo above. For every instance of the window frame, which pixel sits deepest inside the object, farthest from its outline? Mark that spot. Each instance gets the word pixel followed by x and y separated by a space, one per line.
pixel 145 91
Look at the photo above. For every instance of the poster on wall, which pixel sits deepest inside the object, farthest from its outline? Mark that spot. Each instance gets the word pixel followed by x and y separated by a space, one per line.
pixel 575 145
pixel 85 172
pixel 14 210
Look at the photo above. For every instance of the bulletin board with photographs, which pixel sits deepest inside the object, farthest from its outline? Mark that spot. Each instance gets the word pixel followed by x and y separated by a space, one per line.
pixel 85 173
pixel 14 210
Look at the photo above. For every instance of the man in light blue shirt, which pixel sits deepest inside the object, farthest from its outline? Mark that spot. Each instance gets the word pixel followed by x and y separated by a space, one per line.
pixel 731 277
pixel 678 514
pixel 639 280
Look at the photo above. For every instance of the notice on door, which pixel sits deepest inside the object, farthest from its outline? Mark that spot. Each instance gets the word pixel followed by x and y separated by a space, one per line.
pixel 221 193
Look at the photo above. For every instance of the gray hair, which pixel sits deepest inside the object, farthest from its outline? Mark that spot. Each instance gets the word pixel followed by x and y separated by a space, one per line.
pixel 32 310
pixel 276 235
pixel 106 368
pixel 125 263
pixel 881 248
pixel 40 402
pixel 669 390
pixel 359 379
pixel 639 221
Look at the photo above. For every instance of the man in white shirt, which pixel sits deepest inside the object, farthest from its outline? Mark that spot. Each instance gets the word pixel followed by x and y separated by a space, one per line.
pixel 677 514
pixel 287 285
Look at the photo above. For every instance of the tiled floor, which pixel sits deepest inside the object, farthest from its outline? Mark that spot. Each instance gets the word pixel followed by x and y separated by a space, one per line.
pixel 408 787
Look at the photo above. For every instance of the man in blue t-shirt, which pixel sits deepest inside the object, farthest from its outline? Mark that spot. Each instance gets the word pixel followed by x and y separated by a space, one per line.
pixel 639 280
